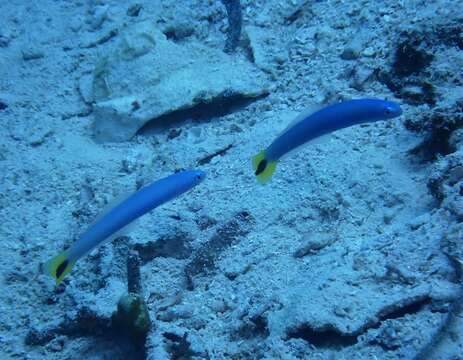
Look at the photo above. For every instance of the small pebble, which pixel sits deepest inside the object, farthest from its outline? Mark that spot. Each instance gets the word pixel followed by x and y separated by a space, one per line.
pixel 313 243
pixel 179 312
pixel 4 41
pixel 352 50
pixel 218 305
pixel 38 137
pixel 56 344
pixel 32 54
pixel 419 221
pixel 341 311
pixel 100 14
pixel 134 10
pixel 456 174
pixel 369 52
pixel 389 215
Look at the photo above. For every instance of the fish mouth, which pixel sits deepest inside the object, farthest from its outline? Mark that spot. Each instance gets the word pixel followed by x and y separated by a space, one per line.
pixel 200 175
pixel 393 111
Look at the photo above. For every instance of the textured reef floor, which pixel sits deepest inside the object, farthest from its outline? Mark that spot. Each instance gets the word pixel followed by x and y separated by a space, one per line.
pixel 353 251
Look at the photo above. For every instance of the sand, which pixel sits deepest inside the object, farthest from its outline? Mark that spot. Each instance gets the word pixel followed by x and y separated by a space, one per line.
pixel 352 251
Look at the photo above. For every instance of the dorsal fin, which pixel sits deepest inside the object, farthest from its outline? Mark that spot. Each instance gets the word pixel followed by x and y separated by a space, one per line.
pixel 306 112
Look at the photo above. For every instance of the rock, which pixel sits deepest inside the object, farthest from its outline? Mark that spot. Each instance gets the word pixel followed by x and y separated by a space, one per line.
pixel 168 77
pixel 455 174
pixel 173 133
pixel 257 42
pixel 75 24
pixel 176 312
pixel 452 244
pixel 360 77
pixel 389 215
pixel 39 137
pixel 132 316
pixel 57 344
pixel 100 14
pixel 32 54
pixel 446 183
pixel 218 305
pixel 178 30
pixel 369 52
pixel 117 119
pixel 4 41
pixel 352 50
pixel 85 88
pixel 388 337
pixel 456 139
pixel 296 11
pixel 419 221
pixel 134 10
pixel 313 243
pixel 439 124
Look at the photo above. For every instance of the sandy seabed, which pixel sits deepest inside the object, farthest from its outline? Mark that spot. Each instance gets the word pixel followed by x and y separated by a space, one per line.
pixel 352 251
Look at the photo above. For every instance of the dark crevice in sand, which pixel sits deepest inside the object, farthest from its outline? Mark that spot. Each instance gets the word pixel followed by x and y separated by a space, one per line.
pixel 207 159
pixel 329 337
pixel 202 112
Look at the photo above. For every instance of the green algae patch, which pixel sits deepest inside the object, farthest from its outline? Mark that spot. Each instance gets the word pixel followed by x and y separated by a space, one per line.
pixel 132 317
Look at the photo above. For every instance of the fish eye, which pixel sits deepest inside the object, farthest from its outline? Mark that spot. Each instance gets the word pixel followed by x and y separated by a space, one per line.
pixel 388 110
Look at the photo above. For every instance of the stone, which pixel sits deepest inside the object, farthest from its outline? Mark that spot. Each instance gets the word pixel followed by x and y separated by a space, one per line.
pixel 456 139
pixel 257 39
pixel 32 54
pixel 100 14
pixel 353 49
pixel 4 41
pixel 149 77
pixel 134 10
pixel 314 243
pixel 132 316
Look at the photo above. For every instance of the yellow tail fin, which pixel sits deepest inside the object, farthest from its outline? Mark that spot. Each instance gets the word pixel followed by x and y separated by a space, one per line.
pixel 263 169
pixel 59 266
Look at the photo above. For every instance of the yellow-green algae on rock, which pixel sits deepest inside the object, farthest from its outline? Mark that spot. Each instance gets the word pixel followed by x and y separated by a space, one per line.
pixel 132 316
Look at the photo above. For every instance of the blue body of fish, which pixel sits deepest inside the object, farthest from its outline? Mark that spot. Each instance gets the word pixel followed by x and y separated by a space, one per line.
pixel 330 119
pixel 136 205
pixel 324 121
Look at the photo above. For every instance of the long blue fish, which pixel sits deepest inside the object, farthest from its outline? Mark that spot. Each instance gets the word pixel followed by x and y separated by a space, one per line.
pixel 310 126
pixel 136 205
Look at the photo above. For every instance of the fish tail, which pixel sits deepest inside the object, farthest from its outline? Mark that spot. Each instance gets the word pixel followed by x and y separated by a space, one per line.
pixel 59 266
pixel 263 169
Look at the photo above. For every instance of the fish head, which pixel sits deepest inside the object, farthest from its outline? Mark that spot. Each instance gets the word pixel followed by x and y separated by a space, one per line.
pixel 390 110
pixel 198 176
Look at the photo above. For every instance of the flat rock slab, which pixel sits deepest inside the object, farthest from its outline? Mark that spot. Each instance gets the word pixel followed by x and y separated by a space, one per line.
pixel 150 76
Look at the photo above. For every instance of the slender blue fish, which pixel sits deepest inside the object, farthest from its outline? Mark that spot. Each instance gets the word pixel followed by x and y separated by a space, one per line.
pixel 136 205
pixel 310 126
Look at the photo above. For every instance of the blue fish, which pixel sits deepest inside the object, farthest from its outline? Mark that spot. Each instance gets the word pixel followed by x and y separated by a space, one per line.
pixel 310 126
pixel 136 205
